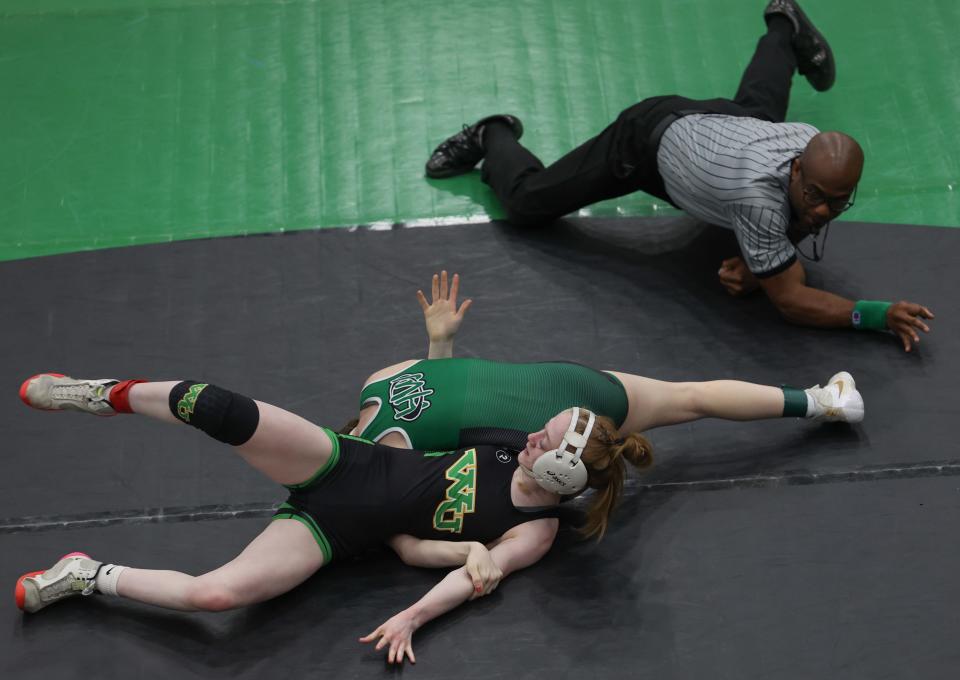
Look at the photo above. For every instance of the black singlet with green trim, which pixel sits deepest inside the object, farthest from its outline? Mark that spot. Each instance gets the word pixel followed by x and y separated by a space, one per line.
pixel 369 492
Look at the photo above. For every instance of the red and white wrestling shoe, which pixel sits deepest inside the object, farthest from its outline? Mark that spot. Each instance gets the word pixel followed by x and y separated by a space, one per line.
pixel 74 574
pixel 55 392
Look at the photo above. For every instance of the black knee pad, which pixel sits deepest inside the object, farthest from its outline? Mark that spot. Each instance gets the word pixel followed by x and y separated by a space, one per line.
pixel 224 415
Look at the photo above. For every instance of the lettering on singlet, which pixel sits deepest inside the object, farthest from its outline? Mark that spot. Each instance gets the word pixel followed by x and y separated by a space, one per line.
pixel 408 396
pixel 460 496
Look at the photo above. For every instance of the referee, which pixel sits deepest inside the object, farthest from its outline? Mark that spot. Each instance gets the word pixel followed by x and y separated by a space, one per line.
pixel 734 163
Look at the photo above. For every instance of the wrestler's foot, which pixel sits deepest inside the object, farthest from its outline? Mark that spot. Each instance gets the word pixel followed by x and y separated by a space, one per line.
pixel 814 56
pixel 55 392
pixel 74 574
pixel 839 401
pixel 461 152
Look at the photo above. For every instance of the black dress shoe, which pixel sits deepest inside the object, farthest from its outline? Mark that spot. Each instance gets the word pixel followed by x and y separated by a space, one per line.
pixel 814 56
pixel 461 152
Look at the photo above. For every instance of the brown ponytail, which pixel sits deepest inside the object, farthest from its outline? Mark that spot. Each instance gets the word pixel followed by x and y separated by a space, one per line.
pixel 606 456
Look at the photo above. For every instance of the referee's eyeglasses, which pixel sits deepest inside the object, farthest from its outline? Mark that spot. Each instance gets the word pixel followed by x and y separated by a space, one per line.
pixel 814 197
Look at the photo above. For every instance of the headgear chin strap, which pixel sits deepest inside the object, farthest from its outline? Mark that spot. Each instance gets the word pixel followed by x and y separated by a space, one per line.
pixel 561 470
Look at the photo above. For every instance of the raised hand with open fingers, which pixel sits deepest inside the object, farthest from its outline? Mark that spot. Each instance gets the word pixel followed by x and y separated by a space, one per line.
pixel 441 314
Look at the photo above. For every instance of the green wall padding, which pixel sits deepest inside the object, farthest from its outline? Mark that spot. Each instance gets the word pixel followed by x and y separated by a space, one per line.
pixel 137 122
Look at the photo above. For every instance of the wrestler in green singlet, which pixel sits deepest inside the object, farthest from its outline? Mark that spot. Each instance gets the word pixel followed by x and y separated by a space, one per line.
pixel 435 403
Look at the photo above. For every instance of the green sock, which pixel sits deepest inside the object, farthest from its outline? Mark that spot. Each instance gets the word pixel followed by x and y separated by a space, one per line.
pixel 795 402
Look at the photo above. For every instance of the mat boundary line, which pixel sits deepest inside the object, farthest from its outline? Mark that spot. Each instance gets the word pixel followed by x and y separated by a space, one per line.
pixel 202 513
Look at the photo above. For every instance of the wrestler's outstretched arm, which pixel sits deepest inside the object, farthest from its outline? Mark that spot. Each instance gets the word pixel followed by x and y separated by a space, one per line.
pixel 520 547
pixel 441 315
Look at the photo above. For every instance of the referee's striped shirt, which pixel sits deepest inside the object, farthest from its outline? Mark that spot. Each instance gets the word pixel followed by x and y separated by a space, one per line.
pixel 734 172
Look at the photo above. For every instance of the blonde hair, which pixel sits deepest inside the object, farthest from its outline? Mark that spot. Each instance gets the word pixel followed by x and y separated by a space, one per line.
pixel 606 456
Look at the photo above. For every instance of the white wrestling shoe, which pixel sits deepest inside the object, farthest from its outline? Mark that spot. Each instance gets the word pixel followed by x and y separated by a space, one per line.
pixel 55 392
pixel 840 401
pixel 74 574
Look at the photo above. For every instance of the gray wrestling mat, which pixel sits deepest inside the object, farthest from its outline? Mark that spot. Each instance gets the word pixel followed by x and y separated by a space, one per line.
pixel 778 549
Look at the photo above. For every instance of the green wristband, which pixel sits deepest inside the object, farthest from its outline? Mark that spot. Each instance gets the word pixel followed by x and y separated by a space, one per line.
pixel 870 315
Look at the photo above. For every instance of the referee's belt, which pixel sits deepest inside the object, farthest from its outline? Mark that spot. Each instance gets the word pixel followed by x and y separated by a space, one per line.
pixel 665 122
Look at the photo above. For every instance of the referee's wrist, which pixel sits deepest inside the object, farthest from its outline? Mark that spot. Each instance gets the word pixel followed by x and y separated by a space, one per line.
pixel 870 315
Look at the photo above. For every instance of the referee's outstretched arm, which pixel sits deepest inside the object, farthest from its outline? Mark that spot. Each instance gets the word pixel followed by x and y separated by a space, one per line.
pixel 806 306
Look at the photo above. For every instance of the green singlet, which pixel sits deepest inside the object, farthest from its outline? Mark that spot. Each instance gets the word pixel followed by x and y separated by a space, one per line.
pixel 432 401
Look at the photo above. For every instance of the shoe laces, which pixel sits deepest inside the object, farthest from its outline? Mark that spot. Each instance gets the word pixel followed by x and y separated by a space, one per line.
pixel 819 395
pixel 68 586
pixel 78 392
pixel 460 142
pixel 809 52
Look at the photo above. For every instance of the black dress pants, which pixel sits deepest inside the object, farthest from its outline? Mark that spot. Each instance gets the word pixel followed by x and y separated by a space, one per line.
pixel 623 158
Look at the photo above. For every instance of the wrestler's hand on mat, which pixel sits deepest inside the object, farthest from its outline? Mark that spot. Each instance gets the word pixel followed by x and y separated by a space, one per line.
pixel 441 315
pixel 905 318
pixel 397 632
pixel 483 571
pixel 736 277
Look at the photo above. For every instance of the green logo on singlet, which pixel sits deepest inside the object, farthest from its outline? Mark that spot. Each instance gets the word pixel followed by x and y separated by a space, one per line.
pixel 408 396
pixel 188 401
pixel 460 495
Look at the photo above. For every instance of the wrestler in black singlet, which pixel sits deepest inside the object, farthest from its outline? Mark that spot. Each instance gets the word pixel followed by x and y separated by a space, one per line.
pixel 369 492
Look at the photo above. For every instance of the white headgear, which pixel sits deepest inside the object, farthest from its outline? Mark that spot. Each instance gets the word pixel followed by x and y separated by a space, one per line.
pixel 561 470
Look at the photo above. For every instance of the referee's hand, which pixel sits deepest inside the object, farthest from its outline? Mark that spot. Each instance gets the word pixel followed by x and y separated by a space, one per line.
pixel 736 277
pixel 905 319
